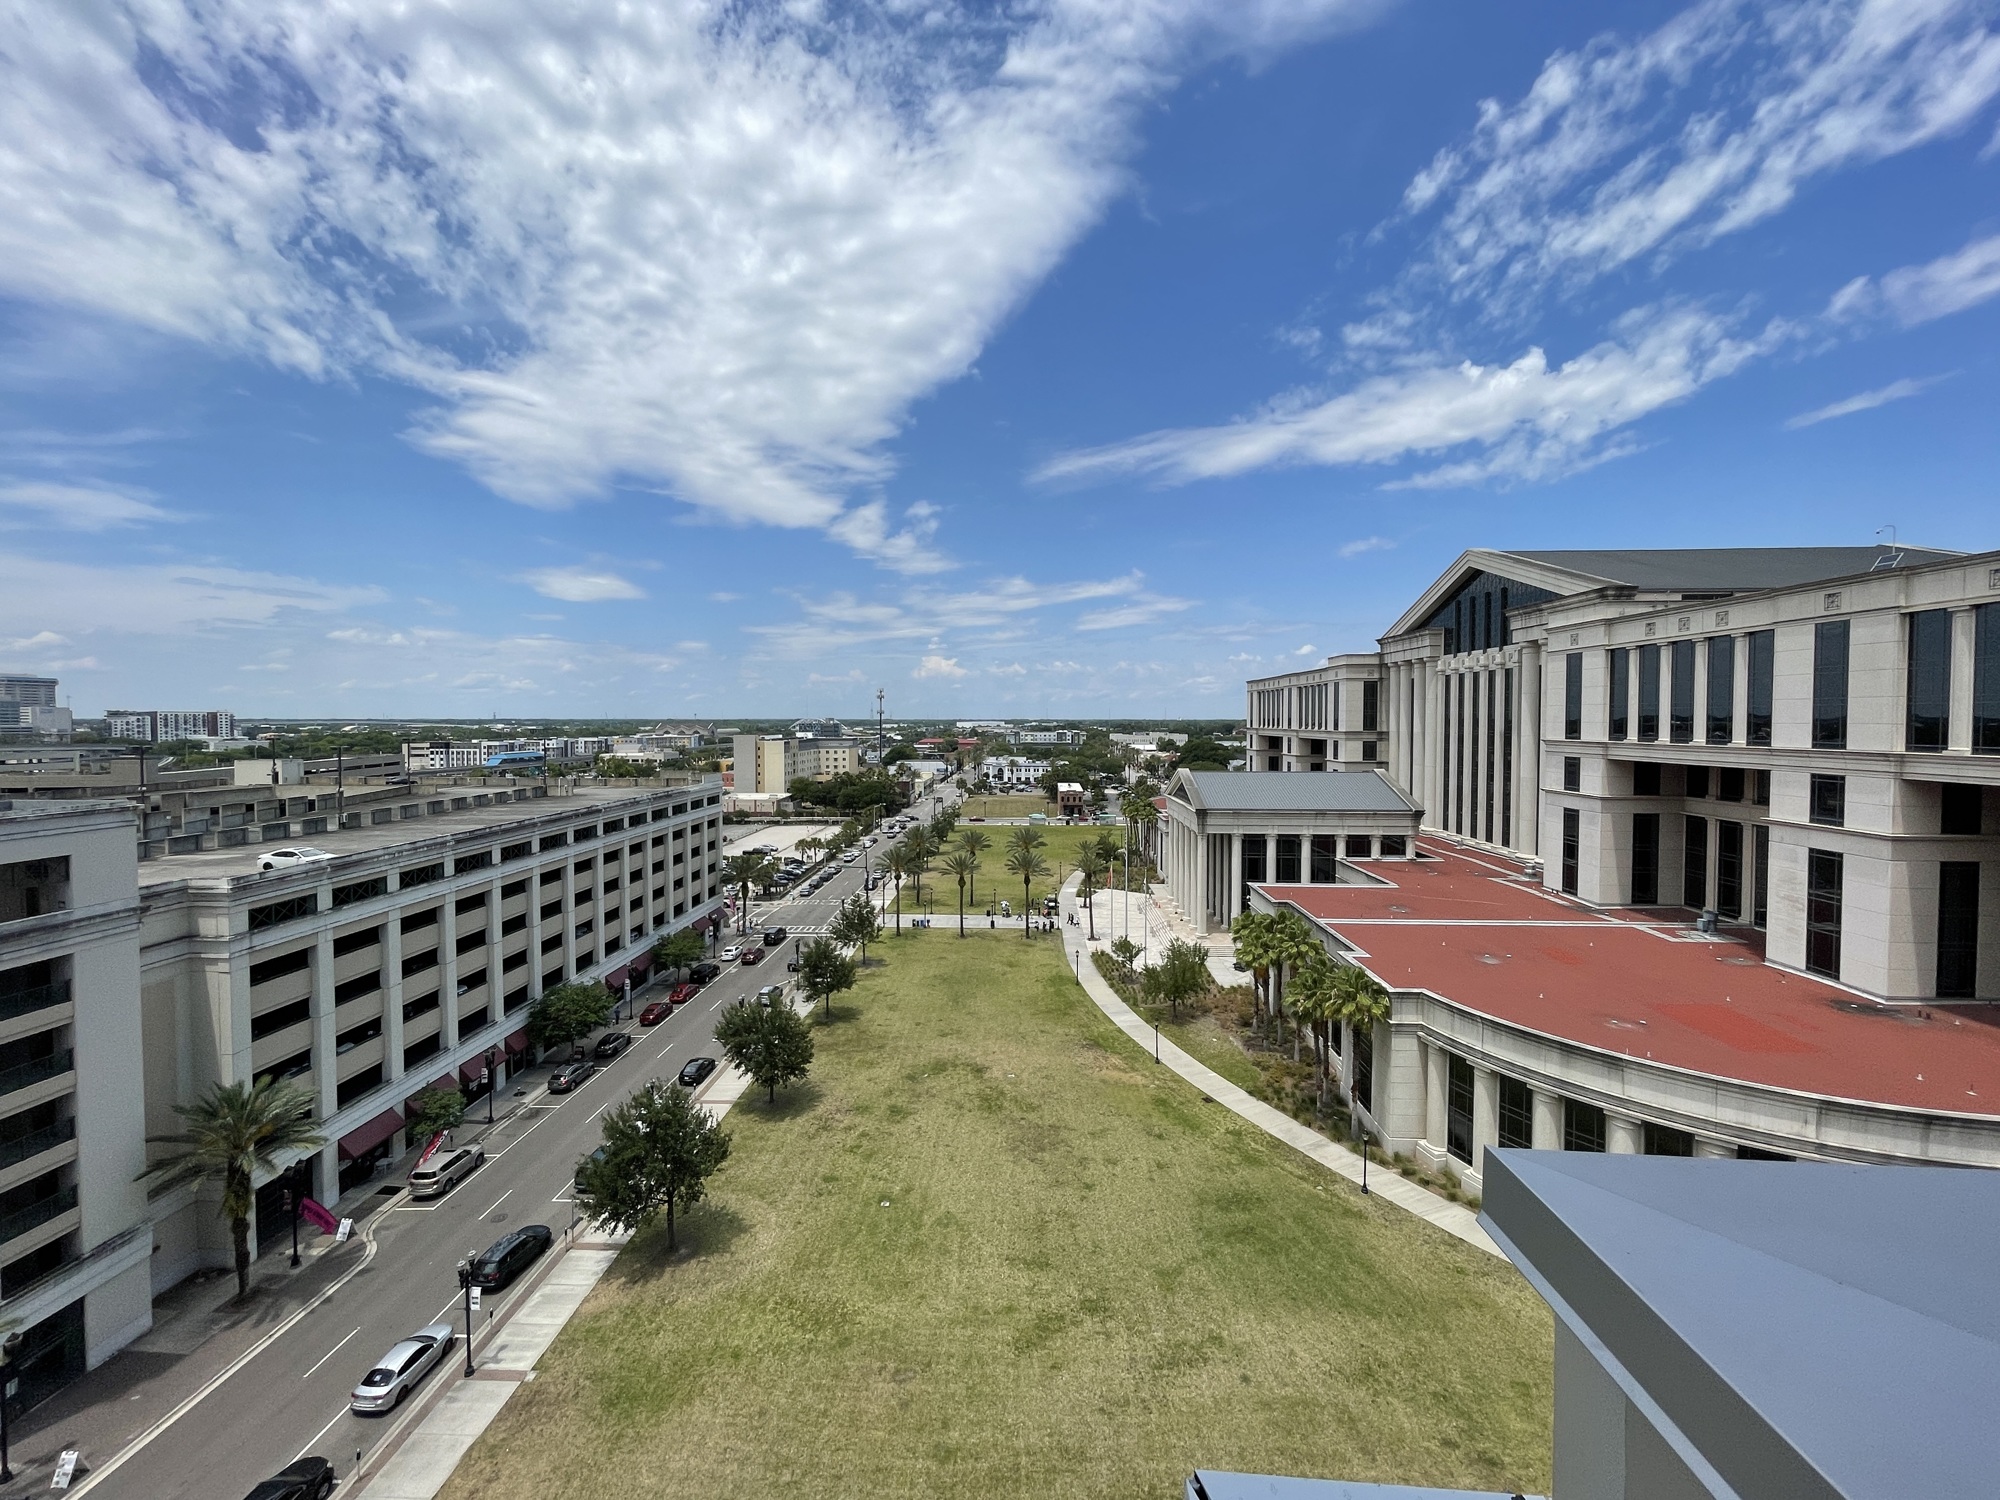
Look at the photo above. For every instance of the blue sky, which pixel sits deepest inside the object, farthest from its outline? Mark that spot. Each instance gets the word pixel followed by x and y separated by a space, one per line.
pixel 1075 357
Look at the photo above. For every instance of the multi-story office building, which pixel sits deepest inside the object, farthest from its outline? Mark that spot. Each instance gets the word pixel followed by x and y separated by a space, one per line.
pixel 74 1235
pixel 407 958
pixel 1017 771
pixel 157 726
pixel 1799 745
pixel 28 709
pixel 1325 718
pixel 1061 738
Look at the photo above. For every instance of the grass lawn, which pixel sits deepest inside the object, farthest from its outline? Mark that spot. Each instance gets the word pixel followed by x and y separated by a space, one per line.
pixel 1006 805
pixel 1060 843
pixel 990 1250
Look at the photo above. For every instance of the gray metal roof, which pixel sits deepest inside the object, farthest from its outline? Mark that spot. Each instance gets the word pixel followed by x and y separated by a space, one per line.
pixel 1809 1329
pixel 1214 1484
pixel 1293 791
pixel 1736 569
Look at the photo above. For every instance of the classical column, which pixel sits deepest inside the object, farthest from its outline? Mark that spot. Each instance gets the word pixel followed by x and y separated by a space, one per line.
pixel 1528 752
pixel 1739 697
pixel 1548 1121
pixel 1485 1116
pixel 1233 897
pixel 1436 1096
pixel 1622 1135
pixel 1958 733
pixel 1434 743
pixel 1714 1150
pixel 325 1077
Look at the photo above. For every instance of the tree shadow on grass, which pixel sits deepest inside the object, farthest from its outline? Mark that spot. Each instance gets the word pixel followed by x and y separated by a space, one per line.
pixel 708 1229
pixel 844 1010
pixel 794 1100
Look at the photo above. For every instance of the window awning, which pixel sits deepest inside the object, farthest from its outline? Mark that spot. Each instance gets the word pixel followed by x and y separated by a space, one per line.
pixel 518 1042
pixel 473 1071
pixel 615 980
pixel 358 1143
pixel 641 964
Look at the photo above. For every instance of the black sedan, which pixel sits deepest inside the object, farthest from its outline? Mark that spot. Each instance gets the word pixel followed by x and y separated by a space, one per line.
pixel 308 1479
pixel 611 1044
pixel 510 1255
pixel 571 1075
pixel 695 1070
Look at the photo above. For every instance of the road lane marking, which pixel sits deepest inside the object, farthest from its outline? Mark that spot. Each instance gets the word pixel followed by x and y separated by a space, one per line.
pixel 323 1359
pixel 317 1435
pixel 497 1202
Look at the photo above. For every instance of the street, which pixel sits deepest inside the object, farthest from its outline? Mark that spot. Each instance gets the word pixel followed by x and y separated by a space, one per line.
pixel 289 1397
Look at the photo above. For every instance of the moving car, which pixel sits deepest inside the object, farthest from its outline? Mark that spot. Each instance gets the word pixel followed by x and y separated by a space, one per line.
pixel 770 994
pixel 752 956
pixel 510 1255
pixel 571 1075
pixel 445 1171
pixel 703 972
pixel 286 859
pixel 849 857
pixel 308 1479
pixel 657 1012
pixel 695 1069
pixel 733 952
pixel 682 993
pixel 774 936
pixel 611 1044
pixel 396 1373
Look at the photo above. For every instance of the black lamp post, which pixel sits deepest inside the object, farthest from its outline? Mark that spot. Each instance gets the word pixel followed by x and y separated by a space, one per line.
pixel 465 1284
pixel 292 1195
pixel 9 1347
pixel 492 1080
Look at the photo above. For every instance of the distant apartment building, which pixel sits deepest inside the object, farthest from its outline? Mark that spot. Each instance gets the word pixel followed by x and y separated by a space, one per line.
pixel 156 726
pixel 1058 737
pixel 768 764
pixel 1015 771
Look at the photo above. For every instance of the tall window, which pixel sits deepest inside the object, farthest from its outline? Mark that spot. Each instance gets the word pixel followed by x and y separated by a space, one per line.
pixel 1721 689
pixel 1573 696
pixel 1829 721
pixel 1364 1067
pixel 1680 727
pixel 1760 874
pixel 1458 1108
pixel 1986 679
pixel 1507 765
pixel 1958 930
pixel 1371 706
pixel 1645 859
pixel 1583 1126
pixel 1492 725
pixel 1762 650
pixel 1458 793
pixel 1929 680
pixel 1517 1113
pixel 1694 863
pixel 1827 801
pixel 1324 859
pixel 1649 692
pixel 1729 869
pixel 1572 773
pixel 1621 693
pixel 1253 858
pixel 1288 859
pixel 1572 844
pixel 1823 899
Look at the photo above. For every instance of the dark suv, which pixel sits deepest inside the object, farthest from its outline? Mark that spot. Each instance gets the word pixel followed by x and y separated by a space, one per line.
pixel 308 1479
pixel 774 936
pixel 510 1255
pixel 703 972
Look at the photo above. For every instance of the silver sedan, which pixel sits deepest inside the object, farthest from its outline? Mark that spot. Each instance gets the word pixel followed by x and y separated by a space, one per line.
pixel 397 1372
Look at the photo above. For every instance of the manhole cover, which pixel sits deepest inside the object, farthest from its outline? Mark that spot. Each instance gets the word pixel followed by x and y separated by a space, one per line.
pixel 1619 1023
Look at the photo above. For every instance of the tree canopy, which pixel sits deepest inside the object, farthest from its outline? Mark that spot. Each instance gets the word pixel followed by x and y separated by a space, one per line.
pixel 824 971
pixel 855 923
pixel 769 1042
pixel 660 1149
pixel 567 1014
pixel 679 950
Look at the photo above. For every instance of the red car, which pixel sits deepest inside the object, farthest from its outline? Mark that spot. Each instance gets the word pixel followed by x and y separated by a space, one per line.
pixel 683 993
pixel 655 1013
pixel 753 955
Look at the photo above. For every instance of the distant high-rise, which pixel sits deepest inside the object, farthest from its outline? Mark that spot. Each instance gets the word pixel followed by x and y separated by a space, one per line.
pixel 157 725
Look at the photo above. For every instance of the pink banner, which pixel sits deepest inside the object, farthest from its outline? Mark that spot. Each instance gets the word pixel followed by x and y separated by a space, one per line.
pixel 317 1216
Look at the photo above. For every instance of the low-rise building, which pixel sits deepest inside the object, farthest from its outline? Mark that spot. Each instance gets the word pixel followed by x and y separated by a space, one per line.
pixel 1015 772
pixel 1055 737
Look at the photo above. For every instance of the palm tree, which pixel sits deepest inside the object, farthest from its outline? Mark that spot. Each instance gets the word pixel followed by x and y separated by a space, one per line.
pixel 1360 1000
pixel 974 842
pixel 897 865
pixel 1316 1003
pixel 1252 932
pixel 235 1131
pixel 1292 944
pixel 961 864
pixel 1091 865
pixel 918 852
pixel 1025 860
pixel 743 871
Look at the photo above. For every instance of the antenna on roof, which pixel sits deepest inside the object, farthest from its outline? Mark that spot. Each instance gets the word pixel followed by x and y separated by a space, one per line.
pixel 1892 557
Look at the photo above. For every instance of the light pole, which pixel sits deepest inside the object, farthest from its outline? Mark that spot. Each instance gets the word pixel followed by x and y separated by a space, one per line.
pixel 1361 1138
pixel 292 1196
pixel 9 1347
pixel 492 1081
pixel 465 1282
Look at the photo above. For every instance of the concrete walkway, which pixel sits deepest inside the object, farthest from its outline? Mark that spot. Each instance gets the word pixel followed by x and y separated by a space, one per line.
pixel 423 1459
pixel 1383 1182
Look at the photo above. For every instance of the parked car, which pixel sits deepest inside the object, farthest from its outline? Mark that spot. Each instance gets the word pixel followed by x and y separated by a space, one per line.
pixel 396 1373
pixel 704 971
pixel 445 1170
pixel 695 1069
pixel 733 952
pixel 682 993
pixel 655 1013
pixel 571 1075
pixel 774 936
pixel 596 1156
pixel 770 995
pixel 611 1044
pixel 286 859
pixel 510 1255
pixel 849 857
pixel 308 1479
pixel 753 956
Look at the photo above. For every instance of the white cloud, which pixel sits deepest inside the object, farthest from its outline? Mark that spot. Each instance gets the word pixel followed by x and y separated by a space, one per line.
pixel 1525 420
pixel 1896 390
pixel 842 619
pixel 1364 544
pixel 717 251
pixel 1950 284
pixel 1143 609
pixel 1009 669
pixel 580 585
pixel 939 666
pixel 1305 650
pixel 79 599
pixel 76 507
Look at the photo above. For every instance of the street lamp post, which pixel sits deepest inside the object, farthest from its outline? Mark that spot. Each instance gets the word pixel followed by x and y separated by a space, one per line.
pixel 465 1283
pixel 9 1347
pixel 492 1081
pixel 292 1196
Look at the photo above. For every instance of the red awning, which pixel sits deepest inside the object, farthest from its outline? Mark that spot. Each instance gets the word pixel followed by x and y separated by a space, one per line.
pixel 473 1071
pixel 358 1143
pixel 615 980
pixel 445 1081
pixel 518 1042
pixel 641 964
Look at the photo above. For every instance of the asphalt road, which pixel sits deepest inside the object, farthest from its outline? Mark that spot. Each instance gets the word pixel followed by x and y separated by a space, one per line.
pixel 291 1398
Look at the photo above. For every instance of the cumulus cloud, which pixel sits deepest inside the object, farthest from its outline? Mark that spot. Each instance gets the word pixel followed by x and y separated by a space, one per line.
pixel 78 507
pixel 580 585
pixel 939 666
pixel 1895 390
pixel 712 250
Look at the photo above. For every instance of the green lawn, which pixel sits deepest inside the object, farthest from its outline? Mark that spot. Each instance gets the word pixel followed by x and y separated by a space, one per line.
pixel 991 1250
pixel 1006 805
pixel 1060 845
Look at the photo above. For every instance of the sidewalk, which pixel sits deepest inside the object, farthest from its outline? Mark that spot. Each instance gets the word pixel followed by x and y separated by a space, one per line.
pixel 1452 1218
pixel 420 1460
